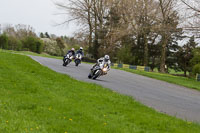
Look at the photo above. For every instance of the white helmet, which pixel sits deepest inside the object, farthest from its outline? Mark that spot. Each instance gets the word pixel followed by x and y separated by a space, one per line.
pixel 107 57
pixel 81 48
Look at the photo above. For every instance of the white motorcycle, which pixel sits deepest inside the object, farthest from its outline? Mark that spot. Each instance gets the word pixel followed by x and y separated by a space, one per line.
pixel 67 59
pixel 98 71
pixel 78 59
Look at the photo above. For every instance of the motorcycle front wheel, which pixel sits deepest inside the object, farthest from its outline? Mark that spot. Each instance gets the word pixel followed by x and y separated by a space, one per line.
pixel 97 73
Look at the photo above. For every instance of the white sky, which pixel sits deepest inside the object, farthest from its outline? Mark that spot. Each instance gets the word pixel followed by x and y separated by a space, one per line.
pixel 40 14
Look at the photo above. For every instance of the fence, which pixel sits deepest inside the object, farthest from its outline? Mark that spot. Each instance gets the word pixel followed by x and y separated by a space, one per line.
pixel 143 68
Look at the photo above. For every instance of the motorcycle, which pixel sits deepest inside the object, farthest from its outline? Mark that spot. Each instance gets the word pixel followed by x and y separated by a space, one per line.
pixel 67 59
pixel 98 71
pixel 78 59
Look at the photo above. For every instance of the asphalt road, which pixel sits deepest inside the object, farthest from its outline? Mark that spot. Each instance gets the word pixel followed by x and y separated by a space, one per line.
pixel 168 98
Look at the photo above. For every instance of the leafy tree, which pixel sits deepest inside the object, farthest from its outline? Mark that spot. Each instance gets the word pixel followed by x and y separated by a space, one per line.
pixel 47 35
pixel 14 43
pixel 42 35
pixel 195 61
pixel 60 44
pixel 125 55
pixel 196 69
pixel 4 41
pixel 184 55
pixel 33 44
pixel 196 57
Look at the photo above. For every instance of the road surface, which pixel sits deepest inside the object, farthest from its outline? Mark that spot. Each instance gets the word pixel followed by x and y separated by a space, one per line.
pixel 164 97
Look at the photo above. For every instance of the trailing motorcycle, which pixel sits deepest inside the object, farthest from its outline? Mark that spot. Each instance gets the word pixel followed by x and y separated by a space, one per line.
pixel 98 70
pixel 78 59
pixel 67 59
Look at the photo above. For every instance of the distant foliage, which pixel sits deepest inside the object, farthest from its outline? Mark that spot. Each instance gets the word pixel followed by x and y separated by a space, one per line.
pixel 185 55
pixel 33 44
pixel 42 35
pixel 196 69
pixel 47 35
pixel 14 44
pixel 196 57
pixel 4 41
pixel 125 55
pixel 51 47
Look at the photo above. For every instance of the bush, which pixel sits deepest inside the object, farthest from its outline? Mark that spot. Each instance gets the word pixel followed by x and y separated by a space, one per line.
pixel 14 44
pixel 51 47
pixel 33 44
pixel 124 55
pixel 196 69
pixel 4 41
pixel 39 46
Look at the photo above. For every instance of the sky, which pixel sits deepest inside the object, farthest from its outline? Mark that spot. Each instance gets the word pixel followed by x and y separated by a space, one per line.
pixel 40 14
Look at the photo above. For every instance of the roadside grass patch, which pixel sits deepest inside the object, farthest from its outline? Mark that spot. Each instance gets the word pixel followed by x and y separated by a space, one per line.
pixel 182 81
pixel 34 98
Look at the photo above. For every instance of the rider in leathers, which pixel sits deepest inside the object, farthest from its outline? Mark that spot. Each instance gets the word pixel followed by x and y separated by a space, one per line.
pixel 105 59
pixel 80 51
pixel 70 51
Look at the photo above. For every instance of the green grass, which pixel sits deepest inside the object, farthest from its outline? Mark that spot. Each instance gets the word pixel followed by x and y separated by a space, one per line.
pixel 172 71
pixel 31 53
pixel 34 98
pixel 182 81
pixel 35 54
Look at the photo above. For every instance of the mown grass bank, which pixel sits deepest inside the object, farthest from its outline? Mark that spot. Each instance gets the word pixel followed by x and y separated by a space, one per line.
pixel 31 53
pixel 34 98
pixel 182 81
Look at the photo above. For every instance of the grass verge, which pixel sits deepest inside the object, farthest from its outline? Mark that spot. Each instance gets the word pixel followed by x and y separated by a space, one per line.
pixel 182 81
pixel 31 53
pixel 34 98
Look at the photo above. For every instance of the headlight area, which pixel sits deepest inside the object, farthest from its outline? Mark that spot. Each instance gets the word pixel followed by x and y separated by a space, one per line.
pixel 105 69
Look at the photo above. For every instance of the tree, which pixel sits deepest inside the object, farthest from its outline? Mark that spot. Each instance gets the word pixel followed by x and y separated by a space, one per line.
pixel 4 41
pixel 81 12
pixel 60 44
pixel 184 55
pixel 195 61
pixel 196 57
pixel 168 25
pixel 195 6
pixel 47 35
pixel 33 44
pixel 14 43
pixel 41 35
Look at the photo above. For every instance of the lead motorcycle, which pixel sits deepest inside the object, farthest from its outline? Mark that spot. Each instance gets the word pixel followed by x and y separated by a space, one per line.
pixel 67 59
pixel 78 59
pixel 98 71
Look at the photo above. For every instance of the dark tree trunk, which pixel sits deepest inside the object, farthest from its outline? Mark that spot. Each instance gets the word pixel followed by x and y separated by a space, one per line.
pixel 146 51
pixel 90 30
pixel 163 54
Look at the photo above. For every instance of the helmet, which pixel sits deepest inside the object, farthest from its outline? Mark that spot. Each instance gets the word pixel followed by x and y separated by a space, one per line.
pixel 73 49
pixel 81 48
pixel 107 57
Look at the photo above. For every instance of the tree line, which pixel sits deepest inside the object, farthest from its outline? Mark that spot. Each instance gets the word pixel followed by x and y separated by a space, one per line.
pixel 23 38
pixel 138 32
pixel 20 37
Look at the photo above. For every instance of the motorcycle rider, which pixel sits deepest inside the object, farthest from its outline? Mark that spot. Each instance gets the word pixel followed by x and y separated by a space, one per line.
pixel 105 59
pixel 80 51
pixel 72 51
